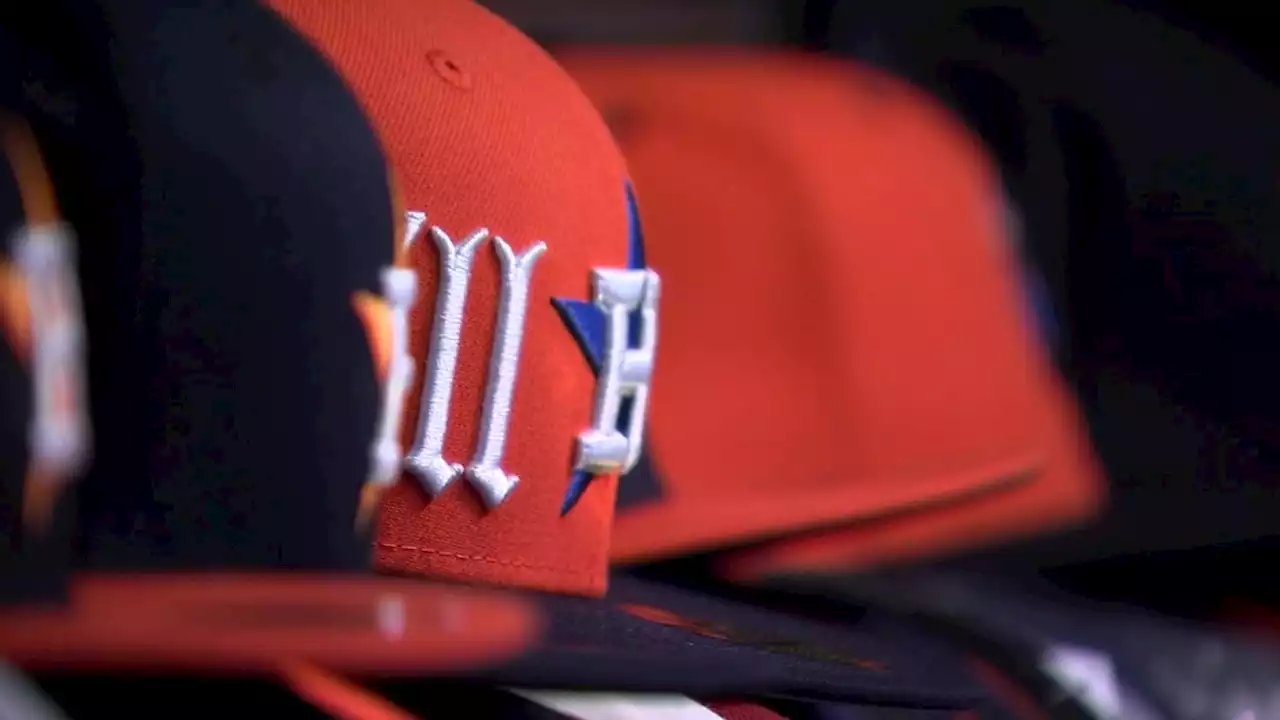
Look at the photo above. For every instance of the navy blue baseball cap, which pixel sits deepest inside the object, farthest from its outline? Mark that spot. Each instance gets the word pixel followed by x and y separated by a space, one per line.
pixel 172 294
pixel 43 419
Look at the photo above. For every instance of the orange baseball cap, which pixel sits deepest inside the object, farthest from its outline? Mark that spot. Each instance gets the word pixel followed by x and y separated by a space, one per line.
pixel 531 342
pixel 843 338
pixel 516 219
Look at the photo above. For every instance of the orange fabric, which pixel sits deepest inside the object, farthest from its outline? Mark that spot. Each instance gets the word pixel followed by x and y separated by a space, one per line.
pixel 39 203
pixel 1071 488
pixel 397 211
pixel 251 624
pixel 375 316
pixel 484 130
pixel 15 317
pixel 337 697
pixel 841 331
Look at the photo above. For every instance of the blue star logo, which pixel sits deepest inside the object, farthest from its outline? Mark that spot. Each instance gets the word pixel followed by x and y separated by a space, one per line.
pixel 586 323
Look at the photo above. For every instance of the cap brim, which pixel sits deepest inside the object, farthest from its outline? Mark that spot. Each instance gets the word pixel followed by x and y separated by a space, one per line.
pixel 1069 491
pixel 645 636
pixel 645 533
pixel 1044 622
pixel 648 636
pixel 251 624
pixel 1010 662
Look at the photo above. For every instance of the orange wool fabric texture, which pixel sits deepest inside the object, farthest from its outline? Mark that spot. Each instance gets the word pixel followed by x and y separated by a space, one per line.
pixel 490 135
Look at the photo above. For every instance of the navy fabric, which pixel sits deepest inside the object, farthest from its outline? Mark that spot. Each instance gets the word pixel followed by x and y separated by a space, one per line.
pixel 829 711
pixel 106 697
pixel 436 699
pixel 640 486
pixel 33 567
pixel 231 198
pixel 1169 668
pixel 793 710
pixel 1043 316
pixel 15 411
pixel 650 636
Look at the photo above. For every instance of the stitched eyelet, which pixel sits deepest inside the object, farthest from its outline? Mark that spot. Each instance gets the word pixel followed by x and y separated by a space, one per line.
pixel 449 70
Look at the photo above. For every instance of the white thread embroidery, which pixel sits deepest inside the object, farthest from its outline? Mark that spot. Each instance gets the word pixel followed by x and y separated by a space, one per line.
pixel 625 372
pixel 400 289
pixel 413 222
pixel 426 461
pixel 45 256
pixel 508 335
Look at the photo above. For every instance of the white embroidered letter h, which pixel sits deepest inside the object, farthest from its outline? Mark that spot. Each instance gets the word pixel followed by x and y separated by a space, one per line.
pixel 624 372
pixel 426 460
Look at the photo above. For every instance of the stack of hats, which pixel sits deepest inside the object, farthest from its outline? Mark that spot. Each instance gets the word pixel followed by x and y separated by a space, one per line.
pixel 360 360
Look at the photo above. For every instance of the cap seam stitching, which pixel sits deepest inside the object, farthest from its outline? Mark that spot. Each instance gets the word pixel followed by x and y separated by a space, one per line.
pixel 484 558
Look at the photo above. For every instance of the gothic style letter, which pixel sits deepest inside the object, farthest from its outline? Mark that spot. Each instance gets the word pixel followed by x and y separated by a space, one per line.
pixel 624 372
pixel 413 222
pixel 426 459
pixel 485 472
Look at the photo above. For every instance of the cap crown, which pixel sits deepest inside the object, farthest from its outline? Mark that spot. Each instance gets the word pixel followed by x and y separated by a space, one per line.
pixel 844 336
pixel 530 332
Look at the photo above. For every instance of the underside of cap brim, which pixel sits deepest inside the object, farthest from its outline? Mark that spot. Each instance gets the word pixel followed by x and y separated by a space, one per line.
pixel 653 636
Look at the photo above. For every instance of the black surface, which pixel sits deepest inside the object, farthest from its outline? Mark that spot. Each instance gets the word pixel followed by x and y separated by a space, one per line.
pixel 142 698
